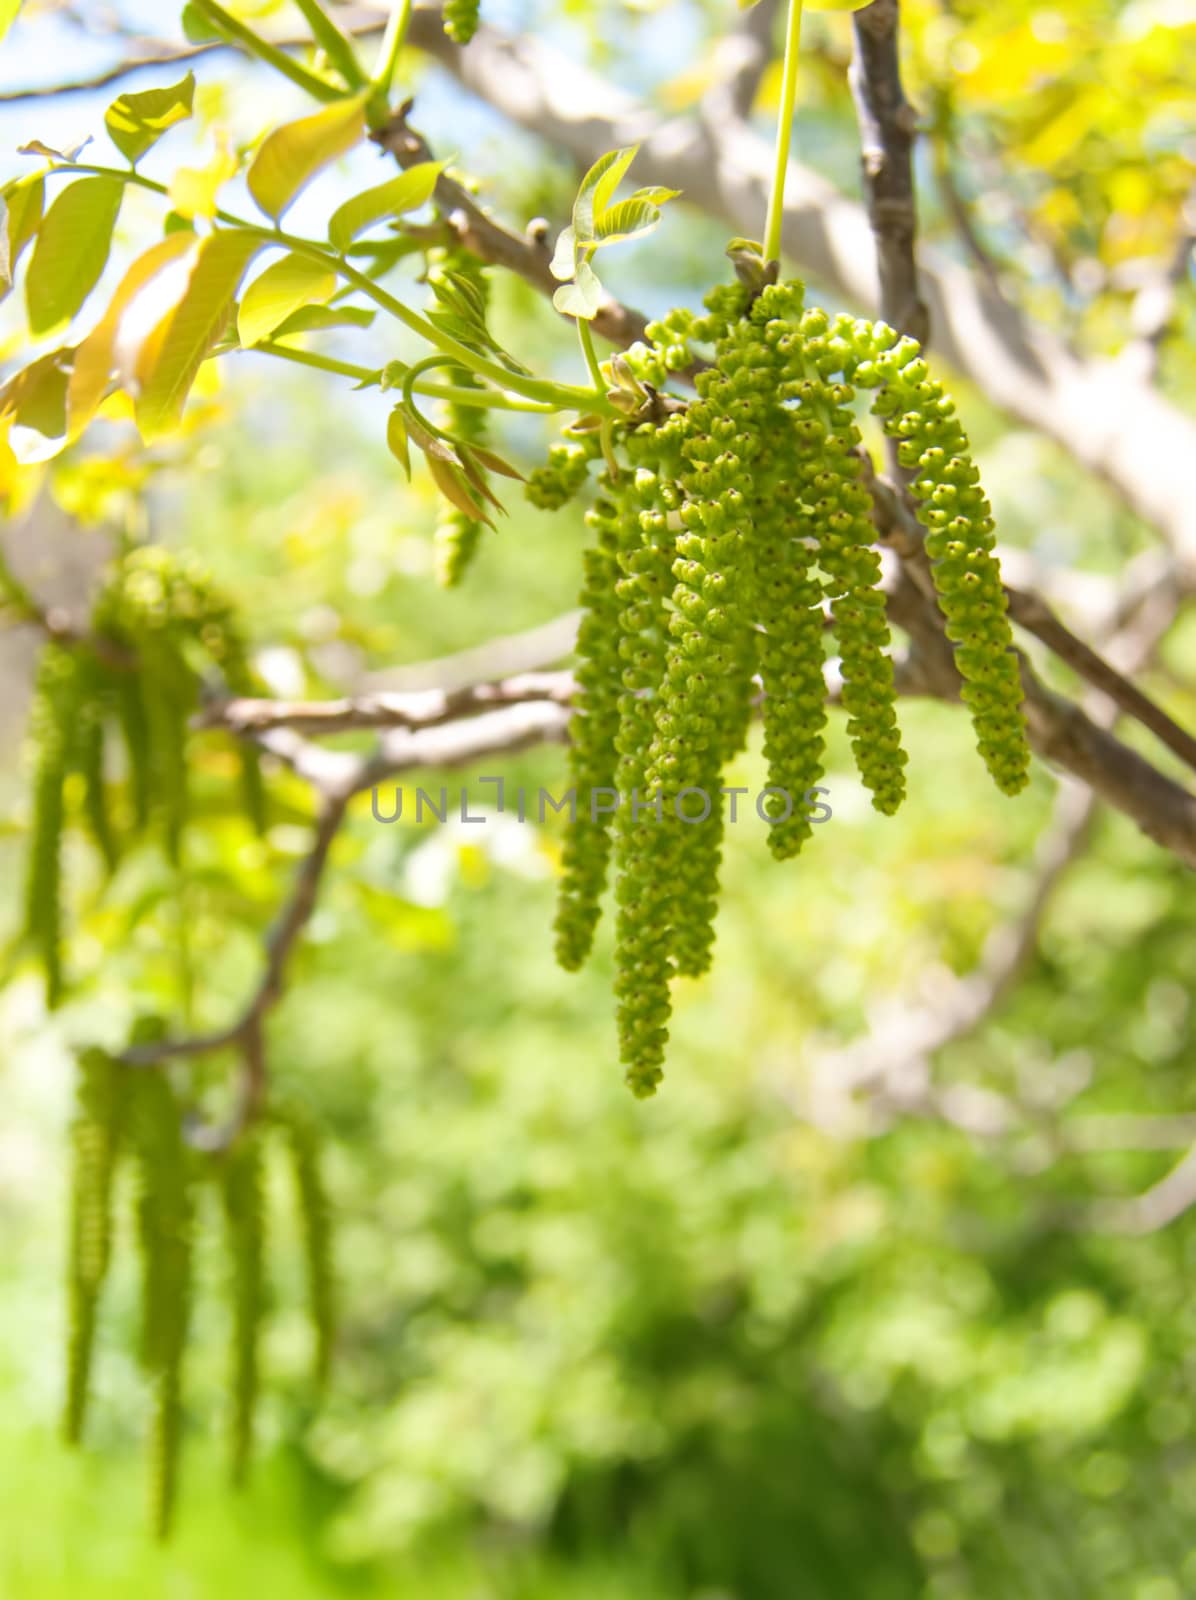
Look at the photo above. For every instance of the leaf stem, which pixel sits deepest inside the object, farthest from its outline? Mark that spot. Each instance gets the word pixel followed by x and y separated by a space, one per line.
pixel 335 45
pixel 483 399
pixel 388 56
pixel 253 42
pixel 776 198
pixel 554 396
pixel 585 333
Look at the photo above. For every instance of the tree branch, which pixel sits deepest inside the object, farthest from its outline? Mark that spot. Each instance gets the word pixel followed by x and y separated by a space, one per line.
pixel 527 254
pixel 415 709
pixel 1123 431
pixel 888 125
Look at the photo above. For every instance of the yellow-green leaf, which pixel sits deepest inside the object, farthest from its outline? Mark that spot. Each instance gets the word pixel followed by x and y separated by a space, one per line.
pixel 283 288
pixel 396 439
pixel 171 357
pixel 136 122
pixel 20 214
pixel 95 357
pixel 193 190
pixel 8 14
pixel 407 192
pixel 36 400
pixel 836 5
pixel 292 155
pixel 72 247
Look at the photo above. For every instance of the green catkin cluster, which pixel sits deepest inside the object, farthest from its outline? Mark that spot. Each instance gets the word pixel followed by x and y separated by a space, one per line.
pixel 564 475
pixel 728 528
pixel 95 1137
pixel 458 535
pixel 461 19
pixel 164 1215
pixel 244 1214
pixel 953 508
pixel 156 621
pixel 828 475
pixel 131 1115
pixel 53 737
pixel 593 758
pixel 643 853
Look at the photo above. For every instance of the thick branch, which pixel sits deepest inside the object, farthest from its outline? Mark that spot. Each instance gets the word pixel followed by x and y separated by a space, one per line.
pixel 888 124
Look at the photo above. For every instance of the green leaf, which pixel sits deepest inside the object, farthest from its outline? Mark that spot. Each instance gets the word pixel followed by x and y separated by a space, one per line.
pixel 292 155
pixel 20 213
pixel 453 485
pixel 95 357
pixel 71 250
pixel 283 288
pixel 407 192
pixel 8 14
pixel 311 319
pixel 136 122
pixel 396 440
pixel 171 357
pixel 196 27
pixel 582 297
pixel 495 463
pixel 627 220
pixel 596 189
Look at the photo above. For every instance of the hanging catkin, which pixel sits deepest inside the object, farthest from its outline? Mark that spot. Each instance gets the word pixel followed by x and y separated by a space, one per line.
pixel 164 1215
pixel 244 1216
pixel 95 1137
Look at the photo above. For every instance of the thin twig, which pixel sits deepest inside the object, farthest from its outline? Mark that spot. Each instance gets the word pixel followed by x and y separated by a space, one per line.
pixel 416 709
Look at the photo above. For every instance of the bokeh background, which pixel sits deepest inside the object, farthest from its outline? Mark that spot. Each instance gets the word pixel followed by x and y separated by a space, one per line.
pixel 760 1338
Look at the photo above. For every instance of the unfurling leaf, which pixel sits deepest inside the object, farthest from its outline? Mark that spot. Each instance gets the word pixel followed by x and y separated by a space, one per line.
pixel 627 220
pixel 283 288
pixel 407 192
pixel 136 122
pixel 564 257
pixel 95 357
pixel 171 356
pixel 71 250
pixel 20 213
pixel 292 155
pixel 597 188
pixel 396 440
pixel 583 296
